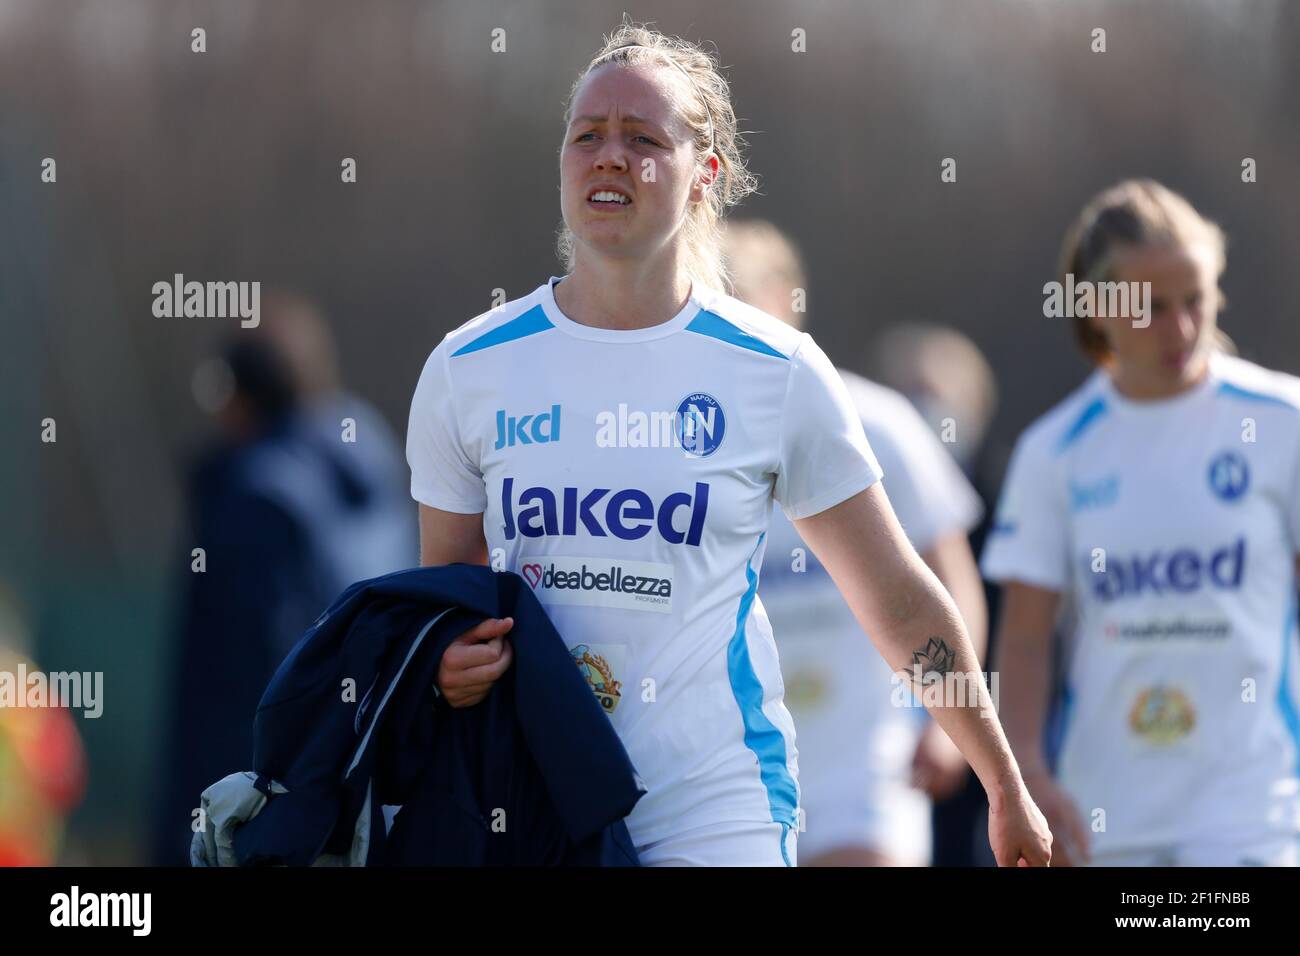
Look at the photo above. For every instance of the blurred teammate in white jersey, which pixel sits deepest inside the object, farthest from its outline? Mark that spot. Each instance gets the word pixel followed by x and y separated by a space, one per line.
pixel 1162 497
pixel 867 767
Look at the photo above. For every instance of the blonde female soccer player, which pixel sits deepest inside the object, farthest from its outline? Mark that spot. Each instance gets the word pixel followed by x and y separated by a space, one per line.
pixel 1162 498
pixel 617 438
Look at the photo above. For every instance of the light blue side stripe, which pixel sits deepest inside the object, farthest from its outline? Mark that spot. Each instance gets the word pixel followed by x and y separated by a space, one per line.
pixel 1236 391
pixel 1096 408
pixel 716 327
pixel 530 323
pixel 1284 702
pixel 764 739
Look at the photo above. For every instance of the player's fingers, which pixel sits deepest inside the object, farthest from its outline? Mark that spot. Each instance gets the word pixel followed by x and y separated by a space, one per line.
pixel 507 655
pixel 486 630
pixel 484 673
pixel 1004 852
pixel 1028 853
pixel 462 699
pixel 478 690
pixel 1031 854
pixel 1062 851
pixel 460 657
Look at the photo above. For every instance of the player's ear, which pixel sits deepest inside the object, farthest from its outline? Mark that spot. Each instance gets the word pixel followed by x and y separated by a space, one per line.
pixel 705 178
pixel 1098 326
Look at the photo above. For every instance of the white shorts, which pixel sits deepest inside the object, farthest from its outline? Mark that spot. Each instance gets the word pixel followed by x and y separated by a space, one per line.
pixel 855 750
pixel 725 844
pixel 1281 850
pixel 881 813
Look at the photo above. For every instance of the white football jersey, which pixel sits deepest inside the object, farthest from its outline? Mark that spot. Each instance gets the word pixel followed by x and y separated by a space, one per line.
pixel 628 477
pixel 1173 526
pixel 855 742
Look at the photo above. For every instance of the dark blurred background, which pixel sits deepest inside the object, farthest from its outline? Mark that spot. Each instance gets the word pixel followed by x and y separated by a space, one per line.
pixel 225 165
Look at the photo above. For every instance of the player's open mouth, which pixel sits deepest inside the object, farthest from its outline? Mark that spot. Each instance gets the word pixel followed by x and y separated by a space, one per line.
pixel 609 199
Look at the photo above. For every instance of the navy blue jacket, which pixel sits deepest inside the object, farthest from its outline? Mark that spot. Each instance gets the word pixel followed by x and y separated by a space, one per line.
pixel 533 775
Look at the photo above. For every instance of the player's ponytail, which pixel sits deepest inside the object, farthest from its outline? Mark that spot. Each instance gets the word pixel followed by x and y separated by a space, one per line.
pixel 710 115
pixel 1136 212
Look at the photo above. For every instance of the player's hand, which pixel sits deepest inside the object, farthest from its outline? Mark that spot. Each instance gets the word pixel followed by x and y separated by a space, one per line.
pixel 938 768
pixel 1070 833
pixel 473 662
pixel 1018 831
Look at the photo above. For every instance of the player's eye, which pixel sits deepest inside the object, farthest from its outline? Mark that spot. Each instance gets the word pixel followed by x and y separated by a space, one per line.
pixel 583 137
pixel 642 137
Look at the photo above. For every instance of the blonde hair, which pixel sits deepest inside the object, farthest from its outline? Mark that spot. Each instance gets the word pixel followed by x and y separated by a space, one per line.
pixel 713 123
pixel 758 256
pixel 1136 212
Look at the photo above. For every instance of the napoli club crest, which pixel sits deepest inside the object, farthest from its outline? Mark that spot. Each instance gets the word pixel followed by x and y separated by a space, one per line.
pixel 701 425
pixel 1229 476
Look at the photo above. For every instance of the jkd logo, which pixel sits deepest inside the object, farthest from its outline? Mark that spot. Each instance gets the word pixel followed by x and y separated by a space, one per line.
pixel 1178 572
pixel 1097 494
pixel 527 430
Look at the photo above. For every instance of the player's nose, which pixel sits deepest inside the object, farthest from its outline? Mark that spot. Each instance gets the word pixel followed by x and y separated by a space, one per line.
pixel 611 156
pixel 1184 325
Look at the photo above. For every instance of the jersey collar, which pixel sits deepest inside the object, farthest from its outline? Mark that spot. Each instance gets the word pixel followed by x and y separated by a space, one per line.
pixel 1159 406
pixel 565 324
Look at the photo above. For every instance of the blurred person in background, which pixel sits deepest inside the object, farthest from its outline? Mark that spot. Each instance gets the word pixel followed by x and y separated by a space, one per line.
pixel 947 378
pixel 42 761
pixel 1162 497
pixel 301 493
pixel 867 767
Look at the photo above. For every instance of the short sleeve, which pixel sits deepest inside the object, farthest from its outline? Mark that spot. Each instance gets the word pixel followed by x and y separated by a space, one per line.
pixel 824 457
pixel 930 495
pixel 443 475
pixel 1293 507
pixel 1029 539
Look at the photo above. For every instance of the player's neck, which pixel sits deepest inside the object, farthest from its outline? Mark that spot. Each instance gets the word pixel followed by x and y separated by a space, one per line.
pixel 623 293
pixel 1145 387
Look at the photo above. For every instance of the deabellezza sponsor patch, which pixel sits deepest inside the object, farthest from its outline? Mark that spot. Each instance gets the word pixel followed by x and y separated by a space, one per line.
pixel 601 582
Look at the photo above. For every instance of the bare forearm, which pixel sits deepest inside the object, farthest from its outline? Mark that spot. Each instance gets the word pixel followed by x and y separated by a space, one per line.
pixel 953 563
pixel 927 642
pixel 915 625
pixel 1024 665
pixel 1024 656
pixel 912 620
